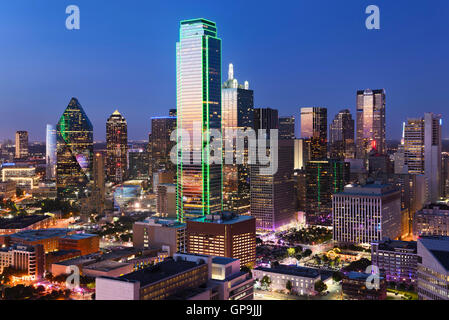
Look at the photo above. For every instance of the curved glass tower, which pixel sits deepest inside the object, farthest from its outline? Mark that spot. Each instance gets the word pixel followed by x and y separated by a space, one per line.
pixel 198 59
pixel 74 147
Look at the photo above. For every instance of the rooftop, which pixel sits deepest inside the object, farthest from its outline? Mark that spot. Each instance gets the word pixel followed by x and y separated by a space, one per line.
pixel 222 219
pixel 292 270
pixel 162 270
pixel 21 222
pixel 79 236
pixel 223 260
pixel 41 234
pixel 391 245
pixel 106 266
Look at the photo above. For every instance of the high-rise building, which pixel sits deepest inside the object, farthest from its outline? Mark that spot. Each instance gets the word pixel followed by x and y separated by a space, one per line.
pixel 237 114
pixel 314 130
pixel 266 118
pixel 302 153
pixel 423 151
pixel 161 129
pixel 433 220
pixel 50 146
pixel 74 144
pixel 323 179
pixel 117 147
pixel 366 213
pixel 223 235
pixel 273 195
pixel 199 182
pixel 370 123
pixel 21 144
pixel 138 164
pixel 287 127
pixel 445 175
pixel 341 136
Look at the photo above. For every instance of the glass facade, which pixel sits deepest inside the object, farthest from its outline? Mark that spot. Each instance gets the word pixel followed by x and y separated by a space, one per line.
pixel 74 145
pixel 198 55
pixel 314 129
pixel 117 147
pixel 50 152
pixel 341 133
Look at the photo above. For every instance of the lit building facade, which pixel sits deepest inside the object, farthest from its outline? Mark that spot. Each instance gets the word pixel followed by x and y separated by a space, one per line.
pixel 117 148
pixel 50 158
pixel 370 122
pixel 198 52
pixel 287 127
pixel 433 220
pixel 74 147
pixel 21 144
pixel 237 114
pixel 341 136
pixel 314 129
pixel 366 213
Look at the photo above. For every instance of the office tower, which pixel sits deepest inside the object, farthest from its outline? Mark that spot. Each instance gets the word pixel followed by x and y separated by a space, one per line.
pixel 445 175
pixel 300 179
pixel 161 145
pixel 323 179
pixel 172 112
pixel 138 164
pixel 98 195
pixel 50 157
pixel 397 260
pixel 287 127
pixel 302 153
pixel 366 213
pixel 23 175
pixel 223 235
pixel 237 114
pixel 25 258
pixel 273 195
pixel 266 118
pixel 166 200
pixel 370 123
pixel 422 151
pixel 117 147
pixel 21 144
pixel 341 136
pixel 166 234
pixel 198 52
pixel 433 269
pixel 74 144
pixel 432 220
pixel 314 130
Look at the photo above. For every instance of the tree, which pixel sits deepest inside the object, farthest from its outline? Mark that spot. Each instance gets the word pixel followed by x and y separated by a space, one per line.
pixel 291 251
pixel 307 253
pixel 320 286
pixel 337 276
pixel 289 286
pixel 265 282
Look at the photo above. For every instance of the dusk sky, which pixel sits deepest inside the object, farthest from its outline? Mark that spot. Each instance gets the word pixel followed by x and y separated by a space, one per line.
pixel 293 53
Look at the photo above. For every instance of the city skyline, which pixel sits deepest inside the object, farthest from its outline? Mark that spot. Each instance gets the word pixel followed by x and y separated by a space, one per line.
pixel 146 87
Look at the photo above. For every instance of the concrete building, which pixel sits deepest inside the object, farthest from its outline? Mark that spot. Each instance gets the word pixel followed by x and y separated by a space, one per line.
pixel 302 279
pixel 7 190
pixel 166 234
pixel 224 235
pixel 21 144
pixel 366 213
pixel 397 260
pixel 25 258
pixel 433 268
pixel 84 242
pixel 354 287
pixel 32 222
pixel 433 220
pixel 166 200
pixel 24 176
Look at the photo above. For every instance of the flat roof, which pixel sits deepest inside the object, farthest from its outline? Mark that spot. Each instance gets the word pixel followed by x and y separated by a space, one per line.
pixel 234 219
pixel 162 270
pixel 79 236
pixel 41 234
pixel 106 266
pixel 223 260
pixel 21 222
pixel 292 270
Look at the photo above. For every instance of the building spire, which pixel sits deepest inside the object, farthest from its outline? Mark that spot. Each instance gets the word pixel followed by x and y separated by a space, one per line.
pixel 231 72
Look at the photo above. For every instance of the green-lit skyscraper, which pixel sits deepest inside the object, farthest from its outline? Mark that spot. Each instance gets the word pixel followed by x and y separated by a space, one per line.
pixel 198 61
pixel 74 144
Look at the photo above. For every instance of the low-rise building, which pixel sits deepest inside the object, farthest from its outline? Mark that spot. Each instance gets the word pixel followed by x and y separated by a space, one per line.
pixel 7 190
pixel 359 286
pixel 302 279
pixel 85 242
pixel 22 223
pixel 432 220
pixel 398 260
pixel 29 259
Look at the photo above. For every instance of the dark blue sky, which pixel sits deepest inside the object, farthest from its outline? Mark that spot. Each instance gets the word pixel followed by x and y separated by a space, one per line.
pixel 293 53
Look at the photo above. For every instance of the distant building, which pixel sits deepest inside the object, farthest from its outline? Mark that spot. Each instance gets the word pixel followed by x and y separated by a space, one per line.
pixel 49 238
pixel 433 220
pixel 7 190
pixel 24 176
pixel 50 153
pixel 354 287
pixel 117 148
pixel 21 144
pixel 166 200
pixel 371 123
pixel 433 269
pixel 287 127
pixel 138 164
pixel 223 235
pixel 397 260
pixel 341 136
pixel 23 223
pixel 166 234
pixel 314 130
pixel 366 213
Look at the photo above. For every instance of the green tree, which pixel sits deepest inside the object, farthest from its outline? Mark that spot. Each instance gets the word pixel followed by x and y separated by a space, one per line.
pixel 265 282
pixel 337 276
pixel 289 286
pixel 320 286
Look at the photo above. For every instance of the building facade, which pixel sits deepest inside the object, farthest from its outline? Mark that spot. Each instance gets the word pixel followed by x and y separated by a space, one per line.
pixel 341 136
pixel 21 145
pixel 117 148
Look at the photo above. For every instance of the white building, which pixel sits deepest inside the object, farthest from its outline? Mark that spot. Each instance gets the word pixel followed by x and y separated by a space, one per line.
pixel 433 268
pixel 365 214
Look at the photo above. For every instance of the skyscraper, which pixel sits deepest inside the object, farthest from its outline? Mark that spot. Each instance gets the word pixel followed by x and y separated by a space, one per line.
pixel 323 179
pixel 287 127
pixel 74 144
pixel 314 130
pixel 341 131
pixel 266 118
pixel 21 144
pixel 370 123
pixel 50 158
pixel 161 145
pixel 238 114
pixel 198 53
pixel 117 147
pixel 422 151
